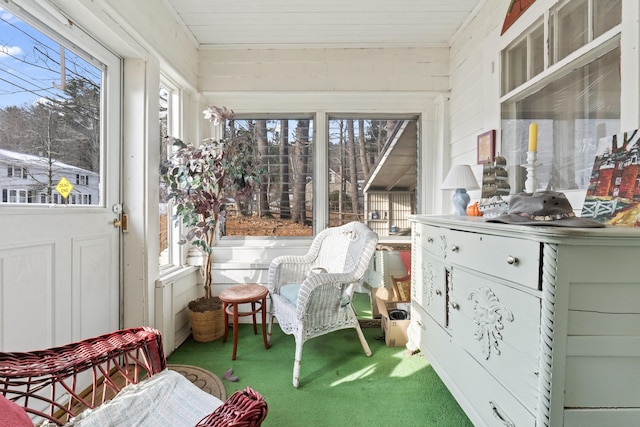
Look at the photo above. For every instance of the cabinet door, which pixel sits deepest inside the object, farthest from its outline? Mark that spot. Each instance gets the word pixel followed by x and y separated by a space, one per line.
pixel 498 325
pixel 429 288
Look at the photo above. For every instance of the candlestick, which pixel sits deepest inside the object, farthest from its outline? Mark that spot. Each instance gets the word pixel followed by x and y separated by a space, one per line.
pixel 533 137
pixel 531 183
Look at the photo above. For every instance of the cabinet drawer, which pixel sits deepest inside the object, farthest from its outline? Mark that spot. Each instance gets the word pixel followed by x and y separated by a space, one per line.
pixel 512 259
pixel 499 327
pixel 430 239
pixel 492 402
pixel 418 318
pixel 485 401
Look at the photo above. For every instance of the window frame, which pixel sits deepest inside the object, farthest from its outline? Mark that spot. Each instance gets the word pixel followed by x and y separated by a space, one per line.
pixel 96 54
pixel 177 254
pixel 427 106
pixel 554 71
pixel 312 154
pixel 321 119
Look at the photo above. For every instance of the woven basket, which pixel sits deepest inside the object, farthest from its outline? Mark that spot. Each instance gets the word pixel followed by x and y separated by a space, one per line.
pixel 207 326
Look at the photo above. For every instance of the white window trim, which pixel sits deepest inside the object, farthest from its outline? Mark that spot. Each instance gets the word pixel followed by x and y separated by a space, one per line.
pixel 175 125
pixel 322 105
pixel 577 59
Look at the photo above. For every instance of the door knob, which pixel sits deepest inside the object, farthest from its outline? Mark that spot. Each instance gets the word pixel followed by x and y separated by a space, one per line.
pixel 122 223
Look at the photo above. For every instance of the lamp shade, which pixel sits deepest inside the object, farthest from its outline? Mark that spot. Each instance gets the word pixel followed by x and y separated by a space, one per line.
pixel 460 176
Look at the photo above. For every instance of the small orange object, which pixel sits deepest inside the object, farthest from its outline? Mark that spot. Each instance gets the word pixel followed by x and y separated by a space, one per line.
pixel 473 210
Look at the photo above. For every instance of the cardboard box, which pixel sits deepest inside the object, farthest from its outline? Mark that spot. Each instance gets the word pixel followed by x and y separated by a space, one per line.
pixel 395 331
pixel 386 294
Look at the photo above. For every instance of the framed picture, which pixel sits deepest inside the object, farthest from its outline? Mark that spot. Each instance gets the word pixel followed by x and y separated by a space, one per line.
pixel 402 287
pixel 487 147
pixel 611 195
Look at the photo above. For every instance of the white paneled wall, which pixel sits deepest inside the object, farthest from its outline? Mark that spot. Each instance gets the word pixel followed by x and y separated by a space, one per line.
pixel 321 70
pixel 475 78
pixel 172 294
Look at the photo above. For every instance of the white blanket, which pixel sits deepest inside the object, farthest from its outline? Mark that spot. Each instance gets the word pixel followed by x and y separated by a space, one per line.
pixel 165 399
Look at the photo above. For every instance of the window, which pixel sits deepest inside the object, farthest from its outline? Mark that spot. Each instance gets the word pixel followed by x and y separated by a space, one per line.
pixel 371 165
pixel 169 249
pixel 523 59
pixel 16 172
pixel 282 205
pixel 572 26
pixel 164 209
pixel 375 163
pixel 574 106
pixel 82 179
pixel 16 196
pixel 47 131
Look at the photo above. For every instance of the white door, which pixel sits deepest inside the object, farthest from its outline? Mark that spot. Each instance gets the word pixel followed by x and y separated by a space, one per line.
pixel 60 256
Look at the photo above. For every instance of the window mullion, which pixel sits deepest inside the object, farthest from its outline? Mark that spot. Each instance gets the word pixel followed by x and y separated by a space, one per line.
pixel 590 21
pixel 321 187
pixel 547 38
pixel 529 56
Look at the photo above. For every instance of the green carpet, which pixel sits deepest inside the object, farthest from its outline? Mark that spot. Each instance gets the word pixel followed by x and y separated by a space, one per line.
pixel 339 385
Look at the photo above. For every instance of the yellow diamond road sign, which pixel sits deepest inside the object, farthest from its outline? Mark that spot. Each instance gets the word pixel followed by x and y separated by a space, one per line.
pixel 64 187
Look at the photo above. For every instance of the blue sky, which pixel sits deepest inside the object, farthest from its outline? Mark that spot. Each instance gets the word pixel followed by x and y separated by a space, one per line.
pixel 30 63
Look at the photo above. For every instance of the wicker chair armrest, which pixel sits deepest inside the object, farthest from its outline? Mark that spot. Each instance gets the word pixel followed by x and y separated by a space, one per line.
pixel 324 285
pixel 288 269
pixel 58 383
pixel 244 408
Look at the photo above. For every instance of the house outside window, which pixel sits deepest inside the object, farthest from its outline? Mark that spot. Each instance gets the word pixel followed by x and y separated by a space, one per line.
pixel 16 172
pixel 82 179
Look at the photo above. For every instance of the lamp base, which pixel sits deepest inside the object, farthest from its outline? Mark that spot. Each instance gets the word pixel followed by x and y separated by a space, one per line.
pixel 460 201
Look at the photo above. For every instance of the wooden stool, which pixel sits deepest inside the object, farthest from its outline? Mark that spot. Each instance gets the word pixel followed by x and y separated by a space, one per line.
pixel 244 294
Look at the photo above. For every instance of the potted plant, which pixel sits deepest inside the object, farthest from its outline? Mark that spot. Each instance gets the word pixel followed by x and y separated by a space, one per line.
pixel 200 183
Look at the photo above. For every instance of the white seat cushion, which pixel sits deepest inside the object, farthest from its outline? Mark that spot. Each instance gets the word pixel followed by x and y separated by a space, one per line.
pixel 165 399
pixel 290 292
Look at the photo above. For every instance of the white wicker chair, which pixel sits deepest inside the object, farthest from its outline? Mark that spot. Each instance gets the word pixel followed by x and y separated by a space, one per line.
pixel 310 294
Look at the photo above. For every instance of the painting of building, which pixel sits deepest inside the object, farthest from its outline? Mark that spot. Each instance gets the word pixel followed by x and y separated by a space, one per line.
pixel 613 195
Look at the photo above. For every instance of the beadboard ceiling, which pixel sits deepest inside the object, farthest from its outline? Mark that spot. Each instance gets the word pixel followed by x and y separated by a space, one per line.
pixel 323 23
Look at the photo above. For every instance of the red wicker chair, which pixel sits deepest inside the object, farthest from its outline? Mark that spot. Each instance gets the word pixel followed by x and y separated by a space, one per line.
pixel 245 408
pixel 51 385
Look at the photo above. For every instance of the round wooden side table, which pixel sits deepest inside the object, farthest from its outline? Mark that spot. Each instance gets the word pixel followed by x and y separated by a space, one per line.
pixel 232 297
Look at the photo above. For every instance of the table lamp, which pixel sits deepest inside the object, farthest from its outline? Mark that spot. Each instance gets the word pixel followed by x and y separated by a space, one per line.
pixel 460 178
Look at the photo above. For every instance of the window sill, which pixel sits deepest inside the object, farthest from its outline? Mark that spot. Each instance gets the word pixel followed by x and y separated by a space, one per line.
pixel 175 273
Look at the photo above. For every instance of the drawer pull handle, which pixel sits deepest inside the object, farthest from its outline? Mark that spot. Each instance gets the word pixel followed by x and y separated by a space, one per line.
pixel 511 260
pixel 455 305
pixel 454 248
pixel 438 292
pixel 497 412
pixel 430 239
